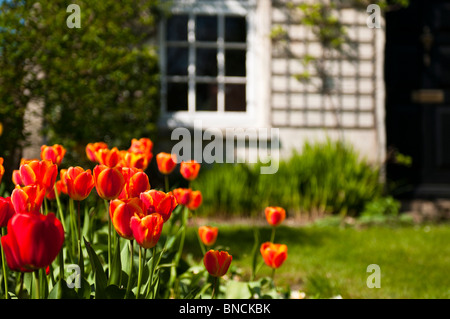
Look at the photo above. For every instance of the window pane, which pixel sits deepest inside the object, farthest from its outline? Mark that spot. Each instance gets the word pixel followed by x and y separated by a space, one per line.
pixel 206 96
pixel 206 62
pixel 177 97
pixel 235 62
pixel 177 28
pixel 235 29
pixel 206 28
pixel 177 61
pixel 235 98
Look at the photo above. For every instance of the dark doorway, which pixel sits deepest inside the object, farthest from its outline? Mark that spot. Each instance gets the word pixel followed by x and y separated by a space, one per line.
pixel 417 77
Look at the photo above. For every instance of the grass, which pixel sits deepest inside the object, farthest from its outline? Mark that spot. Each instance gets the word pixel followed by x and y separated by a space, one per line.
pixel 327 261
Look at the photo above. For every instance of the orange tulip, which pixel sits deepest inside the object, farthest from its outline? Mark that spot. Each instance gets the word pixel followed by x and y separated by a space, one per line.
pixel 217 262
pixel 134 160
pixel 159 202
pixel 147 230
pixel 136 182
pixel 6 211
pixel 166 162
pixel 195 201
pixel 108 157
pixel 109 181
pixel 189 170
pixel 208 234
pixel 121 211
pixel 273 254
pixel 275 215
pixel 92 148
pixel 182 195
pixel 143 145
pixel 43 173
pixel 79 182
pixel 2 169
pixel 27 199
pixel 54 153
pixel 17 180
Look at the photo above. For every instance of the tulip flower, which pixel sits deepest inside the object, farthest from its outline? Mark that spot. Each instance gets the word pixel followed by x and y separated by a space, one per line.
pixel 182 195
pixel 2 169
pixel 54 153
pixel 108 157
pixel 16 178
pixel 136 182
pixel 92 148
pixel 217 262
pixel 61 184
pixel 208 234
pixel 27 199
pixel 147 230
pixel 195 200
pixel 275 215
pixel 166 162
pixel 134 160
pixel 142 146
pixel 121 211
pixel 273 254
pixel 159 202
pixel 32 242
pixel 79 182
pixel 6 211
pixel 189 170
pixel 42 173
pixel 109 181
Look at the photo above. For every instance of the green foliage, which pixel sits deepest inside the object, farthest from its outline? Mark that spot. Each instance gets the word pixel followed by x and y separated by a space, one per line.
pixel 385 206
pixel 99 82
pixel 324 178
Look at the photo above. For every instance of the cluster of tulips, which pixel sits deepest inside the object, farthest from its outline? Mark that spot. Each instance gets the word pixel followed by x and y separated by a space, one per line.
pixel 33 237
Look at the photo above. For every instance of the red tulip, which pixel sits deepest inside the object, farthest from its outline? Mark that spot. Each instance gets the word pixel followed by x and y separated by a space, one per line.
pixel 135 160
pixel 121 211
pixel 16 178
pixel 33 241
pixel 79 182
pixel 273 254
pixel 275 215
pixel 143 145
pixel 54 153
pixel 136 182
pixel 195 201
pixel 2 169
pixel 109 181
pixel 182 195
pixel 92 148
pixel 27 199
pixel 147 230
pixel 217 262
pixel 159 202
pixel 166 162
pixel 108 157
pixel 208 234
pixel 42 173
pixel 6 211
pixel 189 170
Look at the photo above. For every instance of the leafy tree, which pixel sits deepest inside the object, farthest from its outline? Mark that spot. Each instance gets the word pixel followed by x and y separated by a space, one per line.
pixel 98 82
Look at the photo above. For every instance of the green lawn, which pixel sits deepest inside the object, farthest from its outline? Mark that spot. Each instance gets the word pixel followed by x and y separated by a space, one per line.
pixel 326 261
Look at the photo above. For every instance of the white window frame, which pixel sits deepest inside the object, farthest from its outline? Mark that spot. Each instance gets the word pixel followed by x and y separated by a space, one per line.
pixel 257 80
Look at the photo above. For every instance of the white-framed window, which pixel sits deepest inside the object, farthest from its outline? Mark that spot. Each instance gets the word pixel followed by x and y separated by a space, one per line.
pixel 208 63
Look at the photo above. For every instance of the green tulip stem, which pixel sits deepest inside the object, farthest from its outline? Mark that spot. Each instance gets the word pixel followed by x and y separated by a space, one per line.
pixel 273 274
pixel 272 236
pixel 141 260
pixel 109 236
pixel 60 211
pixel 213 295
pixel 36 280
pixel 5 274
pixel 166 183
pixel 130 275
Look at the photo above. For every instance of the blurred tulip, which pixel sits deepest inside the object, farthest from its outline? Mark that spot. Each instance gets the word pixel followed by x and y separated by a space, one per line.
pixel 166 162
pixel 159 202
pixel 189 170
pixel 27 199
pixel 182 195
pixel 195 200
pixel 134 160
pixel 109 181
pixel 136 182
pixel 92 148
pixel 273 254
pixel 61 183
pixel 108 157
pixel 54 153
pixel 6 211
pixel 17 180
pixel 2 169
pixel 42 173
pixel 147 230
pixel 208 234
pixel 79 182
pixel 121 211
pixel 143 145
pixel 217 262
pixel 33 241
pixel 275 215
